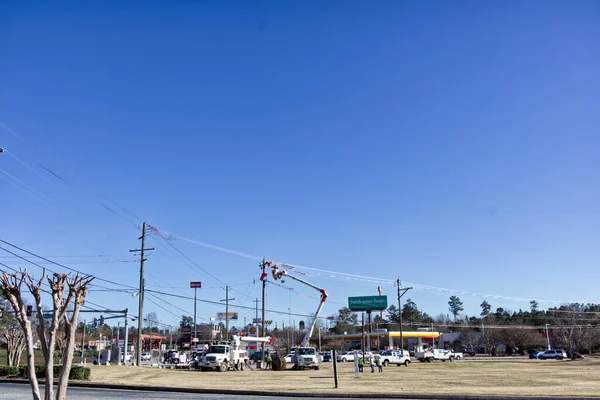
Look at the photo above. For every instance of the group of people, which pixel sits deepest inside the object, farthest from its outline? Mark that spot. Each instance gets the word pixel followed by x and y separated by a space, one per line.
pixel 372 363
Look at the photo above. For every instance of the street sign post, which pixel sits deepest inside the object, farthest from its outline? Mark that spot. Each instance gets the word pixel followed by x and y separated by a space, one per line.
pixel 195 286
pixel 367 303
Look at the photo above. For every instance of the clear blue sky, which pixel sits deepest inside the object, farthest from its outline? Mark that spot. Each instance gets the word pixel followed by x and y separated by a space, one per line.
pixel 451 144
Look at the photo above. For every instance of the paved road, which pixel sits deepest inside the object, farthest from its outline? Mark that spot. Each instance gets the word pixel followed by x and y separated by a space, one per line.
pixel 19 391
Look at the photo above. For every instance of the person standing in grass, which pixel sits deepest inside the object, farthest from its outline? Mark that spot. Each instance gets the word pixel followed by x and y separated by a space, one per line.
pixel 372 362
pixel 380 364
pixel 361 364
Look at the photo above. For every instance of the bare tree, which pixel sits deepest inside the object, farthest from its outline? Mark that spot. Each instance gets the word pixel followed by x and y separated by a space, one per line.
pixel 78 289
pixel 15 341
pixel 10 285
pixel 571 328
pixel 518 337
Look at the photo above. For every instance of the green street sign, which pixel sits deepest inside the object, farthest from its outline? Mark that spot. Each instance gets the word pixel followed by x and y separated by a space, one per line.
pixel 367 303
pixel 47 315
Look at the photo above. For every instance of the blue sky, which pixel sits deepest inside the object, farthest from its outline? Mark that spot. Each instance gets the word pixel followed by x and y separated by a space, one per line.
pixel 451 144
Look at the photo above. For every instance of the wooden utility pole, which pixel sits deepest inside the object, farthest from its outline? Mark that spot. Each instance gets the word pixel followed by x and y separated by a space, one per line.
pixel 227 312
pixel 398 284
pixel 141 294
pixel 263 265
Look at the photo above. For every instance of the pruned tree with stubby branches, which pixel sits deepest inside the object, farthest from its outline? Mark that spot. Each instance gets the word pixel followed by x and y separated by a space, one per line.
pixel 68 294
pixel 15 340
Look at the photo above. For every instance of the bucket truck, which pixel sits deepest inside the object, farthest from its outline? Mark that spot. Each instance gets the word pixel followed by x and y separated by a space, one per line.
pixel 233 356
pixel 304 356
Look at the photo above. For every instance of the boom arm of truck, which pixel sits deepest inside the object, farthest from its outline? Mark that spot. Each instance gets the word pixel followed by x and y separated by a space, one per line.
pixel 278 274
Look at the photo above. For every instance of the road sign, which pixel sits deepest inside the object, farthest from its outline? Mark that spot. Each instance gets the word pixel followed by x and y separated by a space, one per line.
pixel 367 303
pixel 195 340
pixel 195 285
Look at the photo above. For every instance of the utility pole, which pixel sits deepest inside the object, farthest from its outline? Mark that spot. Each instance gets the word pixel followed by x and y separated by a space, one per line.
pixel 256 318
pixel 398 285
pixel 263 277
pixel 126 338
pixel 227 313
pixel 83 341
pixel 141 294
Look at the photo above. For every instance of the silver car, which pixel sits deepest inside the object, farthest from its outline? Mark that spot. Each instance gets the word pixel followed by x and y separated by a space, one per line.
pixel 555 354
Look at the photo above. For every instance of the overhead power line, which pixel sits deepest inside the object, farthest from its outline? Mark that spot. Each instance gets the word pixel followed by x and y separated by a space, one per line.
pixel 54 263
pixel 232 306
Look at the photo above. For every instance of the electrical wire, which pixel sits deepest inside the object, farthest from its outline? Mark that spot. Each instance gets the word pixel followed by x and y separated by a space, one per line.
pixel 230 306
pixel 55 263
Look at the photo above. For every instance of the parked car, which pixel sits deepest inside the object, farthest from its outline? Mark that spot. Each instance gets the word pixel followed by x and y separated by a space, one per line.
pixel 556 354
pixel 327 356
pixel 146 356
pixel 346 356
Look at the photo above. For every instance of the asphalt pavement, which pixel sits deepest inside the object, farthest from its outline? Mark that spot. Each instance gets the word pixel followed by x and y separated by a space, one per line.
pixel 20 391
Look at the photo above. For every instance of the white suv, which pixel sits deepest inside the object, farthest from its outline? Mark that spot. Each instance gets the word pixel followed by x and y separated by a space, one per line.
pixel 146 356
pixel 556 354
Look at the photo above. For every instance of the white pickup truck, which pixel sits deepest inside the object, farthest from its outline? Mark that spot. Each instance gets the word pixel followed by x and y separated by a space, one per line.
pixel 437 354
pixel 394 357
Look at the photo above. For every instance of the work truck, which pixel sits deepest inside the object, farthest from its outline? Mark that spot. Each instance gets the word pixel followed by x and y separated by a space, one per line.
pixel 437 354
pixel 398 357
pixel 225 357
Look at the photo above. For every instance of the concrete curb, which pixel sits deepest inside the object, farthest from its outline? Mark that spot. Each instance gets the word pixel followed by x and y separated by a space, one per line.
pixel 263 393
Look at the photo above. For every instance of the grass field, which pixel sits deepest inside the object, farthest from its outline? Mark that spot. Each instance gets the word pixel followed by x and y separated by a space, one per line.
pixel 516 377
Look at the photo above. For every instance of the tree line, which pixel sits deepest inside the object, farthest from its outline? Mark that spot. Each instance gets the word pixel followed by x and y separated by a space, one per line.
pixel 574 327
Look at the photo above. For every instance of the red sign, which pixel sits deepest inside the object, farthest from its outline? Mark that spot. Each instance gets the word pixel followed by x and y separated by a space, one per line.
pixel 186 329
pixel 195 285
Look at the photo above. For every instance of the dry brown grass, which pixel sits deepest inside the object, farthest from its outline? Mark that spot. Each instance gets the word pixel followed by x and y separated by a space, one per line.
pixel 518 377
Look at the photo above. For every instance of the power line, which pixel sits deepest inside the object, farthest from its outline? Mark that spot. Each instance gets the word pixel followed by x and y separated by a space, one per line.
pixel 234 306
pixel 81 180
pixel 55 263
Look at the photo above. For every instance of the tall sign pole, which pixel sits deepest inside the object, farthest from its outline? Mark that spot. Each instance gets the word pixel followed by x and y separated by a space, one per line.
pixel 195 286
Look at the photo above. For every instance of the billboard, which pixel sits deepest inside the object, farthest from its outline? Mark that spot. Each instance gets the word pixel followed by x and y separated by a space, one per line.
pixel 230 315
pixel 195 285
